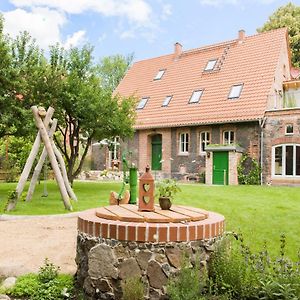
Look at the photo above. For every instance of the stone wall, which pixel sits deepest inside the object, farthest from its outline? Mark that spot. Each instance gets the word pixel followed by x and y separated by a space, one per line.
pixel 103 264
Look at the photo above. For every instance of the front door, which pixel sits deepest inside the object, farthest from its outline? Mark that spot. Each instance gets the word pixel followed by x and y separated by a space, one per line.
pixel 220 168
pixel 156 152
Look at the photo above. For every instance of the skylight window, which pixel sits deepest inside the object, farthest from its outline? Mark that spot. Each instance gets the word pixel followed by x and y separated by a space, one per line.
pixel 159 75
pixel 235 91
pixel 196 96
pixel 210 65
pixel 167 101
pixel 142 103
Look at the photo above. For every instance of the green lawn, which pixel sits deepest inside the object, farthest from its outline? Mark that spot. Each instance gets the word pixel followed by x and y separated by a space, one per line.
pixel 260 213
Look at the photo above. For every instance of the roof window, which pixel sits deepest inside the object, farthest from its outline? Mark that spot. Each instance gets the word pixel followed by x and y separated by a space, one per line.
pixel 160 74
pixel 235 91
pixel 195 98
pixel 142 103
pixel 210 65
pixel 167 101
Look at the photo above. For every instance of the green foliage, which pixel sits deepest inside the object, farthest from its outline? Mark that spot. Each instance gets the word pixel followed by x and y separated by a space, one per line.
pixel 186 285
pixel 287 16
pixel 46 285
pixel 167 188
pixel 133 289
pixel 248 171
pixel 238 272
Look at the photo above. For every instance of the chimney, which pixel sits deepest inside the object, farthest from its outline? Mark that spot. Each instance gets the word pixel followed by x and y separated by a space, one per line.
pixel 241 36
pixel 177 50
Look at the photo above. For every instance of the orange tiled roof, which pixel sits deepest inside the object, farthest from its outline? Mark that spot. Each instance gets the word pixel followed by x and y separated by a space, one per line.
pixel 251 62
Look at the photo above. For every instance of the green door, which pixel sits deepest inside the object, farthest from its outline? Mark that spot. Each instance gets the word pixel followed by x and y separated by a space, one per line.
pixel 156 152
pixel 220 168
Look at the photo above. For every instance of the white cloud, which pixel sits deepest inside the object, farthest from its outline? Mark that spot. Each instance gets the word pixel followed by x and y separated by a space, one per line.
pixel 136 11
pixel 127 34
pixel 166 11
pixel 217 3
pixel 43 24
pixel 77 38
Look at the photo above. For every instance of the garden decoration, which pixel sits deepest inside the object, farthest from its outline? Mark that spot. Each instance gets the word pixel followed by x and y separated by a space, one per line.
pixel 146 191
pixel 129 177
pixel 166 190
pixel 42 121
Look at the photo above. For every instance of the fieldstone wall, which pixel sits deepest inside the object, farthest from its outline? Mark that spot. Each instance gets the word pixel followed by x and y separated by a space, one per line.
pixel 102 264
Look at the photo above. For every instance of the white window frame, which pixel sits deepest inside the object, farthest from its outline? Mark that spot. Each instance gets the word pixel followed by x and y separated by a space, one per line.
pixel 236 88
pixel 196 96
pixel 283 175
pixel 210 66
pixel 160 74
pixel 205 140
pixel 184 143
pixel 142 103
pixel 229 135
pixel 286 127
pixel 167 101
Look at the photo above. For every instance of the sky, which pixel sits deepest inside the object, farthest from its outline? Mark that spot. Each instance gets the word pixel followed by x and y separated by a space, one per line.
pixel 146 28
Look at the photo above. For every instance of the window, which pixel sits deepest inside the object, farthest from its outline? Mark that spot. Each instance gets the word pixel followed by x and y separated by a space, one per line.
pixel 142 103
pixel 286 160
pixel 195 98
pixel 289 129
pixel 204 141
pixel 235 91
pixel 210 65
pixel 228 137
pixel 184 143
pixel 159 75
pixel 167 101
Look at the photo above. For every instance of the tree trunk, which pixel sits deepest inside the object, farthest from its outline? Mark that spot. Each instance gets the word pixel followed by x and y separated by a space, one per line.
pixel 33 153
pixel 52 158
pixel 40 164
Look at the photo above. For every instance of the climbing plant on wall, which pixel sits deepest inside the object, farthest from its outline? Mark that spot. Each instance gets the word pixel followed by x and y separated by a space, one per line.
pixel 248 171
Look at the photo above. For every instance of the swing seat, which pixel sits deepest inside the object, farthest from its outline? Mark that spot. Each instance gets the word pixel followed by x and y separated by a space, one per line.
pixel 114 200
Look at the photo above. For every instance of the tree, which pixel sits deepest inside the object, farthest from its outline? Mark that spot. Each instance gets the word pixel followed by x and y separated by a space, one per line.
pixel 86 111
pixel 112 70
pixel 287 16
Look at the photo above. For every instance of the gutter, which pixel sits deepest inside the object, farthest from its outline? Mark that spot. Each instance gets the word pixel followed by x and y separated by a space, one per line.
pixel 262 125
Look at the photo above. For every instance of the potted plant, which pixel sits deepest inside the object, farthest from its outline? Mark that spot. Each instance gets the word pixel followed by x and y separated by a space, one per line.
pixel 166 190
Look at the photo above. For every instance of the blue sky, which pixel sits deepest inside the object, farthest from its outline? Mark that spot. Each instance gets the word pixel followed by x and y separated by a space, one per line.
pixel 146 28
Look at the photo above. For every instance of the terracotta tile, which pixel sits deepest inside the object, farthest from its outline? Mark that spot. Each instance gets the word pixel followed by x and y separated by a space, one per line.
pixel 122 232
pixel 141 236
pixel 185 75
pixel 97 229
pixel 112 231
pixel 152 235
pixel 182 233
pixel 207 231
pixel 173 233
pixel 162 234
pixel 192 233
pixel 91 228
pixel 131 233
pixel 200 233
pixel 104 230
pixel 213 229
pixel 79 224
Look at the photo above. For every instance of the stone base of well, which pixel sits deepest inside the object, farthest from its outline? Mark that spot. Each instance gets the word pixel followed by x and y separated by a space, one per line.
pixel 104 263
pixel 110 251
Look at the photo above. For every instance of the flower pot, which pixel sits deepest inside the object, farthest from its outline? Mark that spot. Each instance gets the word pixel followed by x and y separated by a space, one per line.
pixel 165 203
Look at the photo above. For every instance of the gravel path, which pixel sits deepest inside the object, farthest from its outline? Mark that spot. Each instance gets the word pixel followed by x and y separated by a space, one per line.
pixel 26 241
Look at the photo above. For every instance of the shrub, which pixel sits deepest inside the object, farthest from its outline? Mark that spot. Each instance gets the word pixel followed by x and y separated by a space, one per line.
pixel 236 271
pixel 248 171
pixel 46 285
pixel 133 289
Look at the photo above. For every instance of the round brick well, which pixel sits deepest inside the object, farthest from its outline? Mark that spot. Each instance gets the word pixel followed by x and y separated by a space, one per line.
pixel 118 242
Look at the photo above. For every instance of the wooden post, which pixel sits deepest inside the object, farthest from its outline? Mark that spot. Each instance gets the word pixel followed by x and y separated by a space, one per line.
pixel 44 136
pixel 39 166
pixel 63 171
pixel 33 153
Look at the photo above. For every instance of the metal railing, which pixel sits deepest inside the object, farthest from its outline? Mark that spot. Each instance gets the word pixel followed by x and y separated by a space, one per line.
pixel 289 99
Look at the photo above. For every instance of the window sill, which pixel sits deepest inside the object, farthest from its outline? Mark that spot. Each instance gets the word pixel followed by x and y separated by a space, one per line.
pixel 183 154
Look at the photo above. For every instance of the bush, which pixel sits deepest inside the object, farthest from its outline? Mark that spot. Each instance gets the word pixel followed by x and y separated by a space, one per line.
pixel 238 272
pixel 46 285
pixel 133 289
pixel 248 171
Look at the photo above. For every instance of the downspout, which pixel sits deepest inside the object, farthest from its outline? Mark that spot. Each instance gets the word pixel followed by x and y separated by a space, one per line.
pixel 262 124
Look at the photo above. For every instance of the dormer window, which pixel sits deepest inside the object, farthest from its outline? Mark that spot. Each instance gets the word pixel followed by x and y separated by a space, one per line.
pixel 235 91
pixel 210 65
pixel 142 103
pixel 160 74
pixel 195 98
pixel 167 101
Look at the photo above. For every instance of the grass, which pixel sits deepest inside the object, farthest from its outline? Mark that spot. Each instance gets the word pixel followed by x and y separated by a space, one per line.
pixel 261 213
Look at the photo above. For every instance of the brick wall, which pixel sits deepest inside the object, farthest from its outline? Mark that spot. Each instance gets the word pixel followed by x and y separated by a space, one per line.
pixel 274 134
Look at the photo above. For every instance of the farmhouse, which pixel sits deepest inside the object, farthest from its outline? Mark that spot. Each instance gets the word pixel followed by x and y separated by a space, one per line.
pixel 199 110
